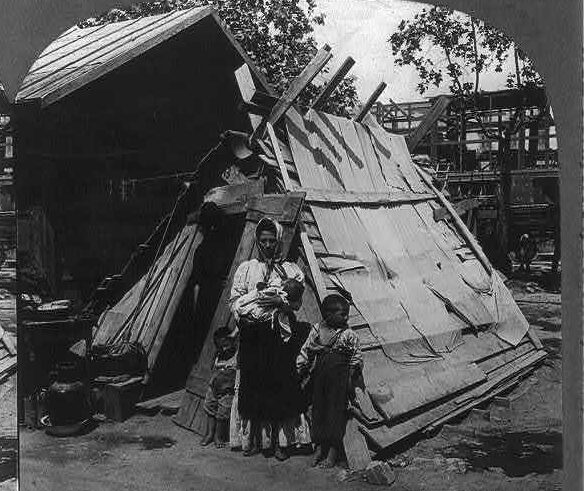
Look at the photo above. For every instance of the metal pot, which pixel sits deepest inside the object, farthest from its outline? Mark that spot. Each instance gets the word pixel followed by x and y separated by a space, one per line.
pixel 67 397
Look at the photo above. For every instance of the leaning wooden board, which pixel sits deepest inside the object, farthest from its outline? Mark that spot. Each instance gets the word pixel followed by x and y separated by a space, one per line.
pixel 399 398
pixel 384 437
pixel 356 450
pixel 166 403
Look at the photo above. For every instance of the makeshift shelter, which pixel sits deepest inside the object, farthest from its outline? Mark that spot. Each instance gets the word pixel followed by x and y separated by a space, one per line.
pixel 440 331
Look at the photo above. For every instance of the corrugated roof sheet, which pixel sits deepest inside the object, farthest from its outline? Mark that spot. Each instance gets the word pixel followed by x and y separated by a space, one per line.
pixel 79 56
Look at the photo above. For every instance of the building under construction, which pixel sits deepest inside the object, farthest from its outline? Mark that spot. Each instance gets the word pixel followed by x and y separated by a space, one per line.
pixel 466 149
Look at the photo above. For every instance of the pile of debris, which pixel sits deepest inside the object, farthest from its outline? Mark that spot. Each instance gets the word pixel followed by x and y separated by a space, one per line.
pixel 7 354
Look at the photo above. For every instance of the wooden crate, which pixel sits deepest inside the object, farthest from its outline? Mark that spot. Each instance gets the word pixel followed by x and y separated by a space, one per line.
pixel 120 398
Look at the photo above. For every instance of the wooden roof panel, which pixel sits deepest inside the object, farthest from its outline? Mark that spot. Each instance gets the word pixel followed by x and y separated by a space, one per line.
pixel 79 56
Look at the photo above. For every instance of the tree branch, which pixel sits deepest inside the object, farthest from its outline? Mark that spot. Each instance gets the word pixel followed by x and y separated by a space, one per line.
pixel 517 73
pixel 476 55
pixel 455 79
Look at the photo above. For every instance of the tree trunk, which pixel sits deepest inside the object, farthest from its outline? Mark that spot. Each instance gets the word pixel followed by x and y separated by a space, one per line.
pixel 503 201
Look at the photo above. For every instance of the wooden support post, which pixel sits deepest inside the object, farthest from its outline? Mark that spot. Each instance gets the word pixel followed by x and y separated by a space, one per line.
pixel 313 264
pixel 356 450
pixel 534 339
pixel 434 147
pixel 521 145
pixel 278 155
pixel 297 85
pixel 369 104
pixel 503 202
pixel 332 84
pixel 415 137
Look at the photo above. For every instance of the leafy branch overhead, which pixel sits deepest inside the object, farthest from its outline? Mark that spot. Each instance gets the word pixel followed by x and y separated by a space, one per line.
pixel 276 34
pixel 446 46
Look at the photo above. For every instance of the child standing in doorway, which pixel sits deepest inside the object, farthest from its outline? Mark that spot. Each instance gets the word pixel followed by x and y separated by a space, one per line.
pixel 332 352
pixel 221 389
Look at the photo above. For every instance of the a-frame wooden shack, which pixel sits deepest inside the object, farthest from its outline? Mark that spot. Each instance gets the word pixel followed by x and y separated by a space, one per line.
pixel 440 331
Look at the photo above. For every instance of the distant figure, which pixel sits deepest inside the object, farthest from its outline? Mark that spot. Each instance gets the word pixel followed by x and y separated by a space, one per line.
pixel 526 251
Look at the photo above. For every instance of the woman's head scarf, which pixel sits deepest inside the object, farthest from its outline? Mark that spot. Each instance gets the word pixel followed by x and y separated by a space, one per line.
pixel 274 263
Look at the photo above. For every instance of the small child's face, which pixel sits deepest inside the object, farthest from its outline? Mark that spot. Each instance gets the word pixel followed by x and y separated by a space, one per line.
pixel 295 304
pixel 224 344
pixel 337 316
pixel 293 294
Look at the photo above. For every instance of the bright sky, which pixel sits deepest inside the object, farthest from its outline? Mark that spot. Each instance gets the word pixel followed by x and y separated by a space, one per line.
pixel 361 28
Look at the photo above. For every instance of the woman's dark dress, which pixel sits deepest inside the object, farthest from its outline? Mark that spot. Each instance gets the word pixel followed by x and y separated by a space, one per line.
pixel 270 387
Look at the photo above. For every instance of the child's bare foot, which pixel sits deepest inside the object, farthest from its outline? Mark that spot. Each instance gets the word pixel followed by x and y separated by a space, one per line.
pixel 280 453
pixel 209 431
pixel 318 456
pixel 253 450
pixel 331 458
pixel 219 437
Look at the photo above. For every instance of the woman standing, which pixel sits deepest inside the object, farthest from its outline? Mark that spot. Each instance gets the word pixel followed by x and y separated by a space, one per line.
pixel 267 413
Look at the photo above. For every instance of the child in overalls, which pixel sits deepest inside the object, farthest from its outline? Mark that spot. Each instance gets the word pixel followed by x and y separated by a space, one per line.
pixel 332 352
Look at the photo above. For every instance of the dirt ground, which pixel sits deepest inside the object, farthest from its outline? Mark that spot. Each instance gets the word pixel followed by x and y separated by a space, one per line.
pixel 8 435
pixel 495 447
pixel 8 422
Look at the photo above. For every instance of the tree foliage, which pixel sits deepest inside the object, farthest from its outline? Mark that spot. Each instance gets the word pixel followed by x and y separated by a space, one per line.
pixel 276 34
pixel 447 46
pixel 441 44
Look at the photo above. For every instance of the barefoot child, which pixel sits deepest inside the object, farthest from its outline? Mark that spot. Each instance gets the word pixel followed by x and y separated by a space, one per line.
pixel 221 389
pixel 334 348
